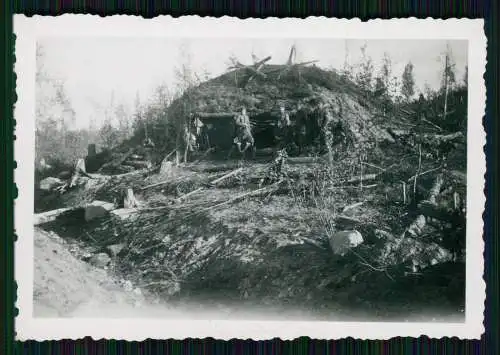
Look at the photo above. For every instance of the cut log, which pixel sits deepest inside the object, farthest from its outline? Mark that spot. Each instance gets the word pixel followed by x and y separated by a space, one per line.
pixel 49 216
pixel 139 164
pixel 125 213
pixel 50 183
pixel 232 173
pixel 366 177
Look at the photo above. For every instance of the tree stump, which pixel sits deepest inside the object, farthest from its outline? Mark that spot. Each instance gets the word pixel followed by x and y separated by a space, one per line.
pixel 129 200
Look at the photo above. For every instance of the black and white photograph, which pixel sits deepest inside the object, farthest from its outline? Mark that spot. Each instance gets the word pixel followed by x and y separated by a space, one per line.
pixel 281 178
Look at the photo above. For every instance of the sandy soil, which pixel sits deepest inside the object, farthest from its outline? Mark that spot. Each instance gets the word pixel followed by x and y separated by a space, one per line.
pixel 65 286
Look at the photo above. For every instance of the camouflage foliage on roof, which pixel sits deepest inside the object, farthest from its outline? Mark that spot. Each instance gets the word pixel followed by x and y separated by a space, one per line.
pixel 308 90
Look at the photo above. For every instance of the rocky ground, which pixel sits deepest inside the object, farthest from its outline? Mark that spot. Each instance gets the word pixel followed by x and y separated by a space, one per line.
pixel 266 254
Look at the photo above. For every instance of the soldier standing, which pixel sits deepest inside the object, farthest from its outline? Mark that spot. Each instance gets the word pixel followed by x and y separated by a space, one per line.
pixel 284 128
pixel 243 133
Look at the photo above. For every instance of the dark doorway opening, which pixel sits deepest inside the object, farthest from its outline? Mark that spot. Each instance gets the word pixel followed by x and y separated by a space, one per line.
pixel 264 130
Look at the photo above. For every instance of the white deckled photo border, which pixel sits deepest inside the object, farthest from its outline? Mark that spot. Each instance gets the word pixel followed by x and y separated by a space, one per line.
pixel 28 30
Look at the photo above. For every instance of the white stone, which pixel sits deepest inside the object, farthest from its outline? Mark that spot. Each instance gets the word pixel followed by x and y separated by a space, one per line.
pixel 127 285
pixel 49 183
pixel 100 260
pixel 342 241
pixel 115 249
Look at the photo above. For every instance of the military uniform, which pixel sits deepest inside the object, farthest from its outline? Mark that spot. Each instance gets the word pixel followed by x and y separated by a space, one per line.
pixel 243 137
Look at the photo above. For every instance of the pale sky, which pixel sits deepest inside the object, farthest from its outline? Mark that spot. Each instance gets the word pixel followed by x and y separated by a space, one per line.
pixel 93 68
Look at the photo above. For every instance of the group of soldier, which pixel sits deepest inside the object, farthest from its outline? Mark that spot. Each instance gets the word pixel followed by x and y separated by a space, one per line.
pixel 243 138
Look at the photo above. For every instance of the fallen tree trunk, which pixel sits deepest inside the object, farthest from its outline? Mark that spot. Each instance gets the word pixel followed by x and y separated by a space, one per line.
pixel 49 216
pixel 179 199
pixel 212 183
pixel 366 177
pixel 234 172
pixel 435 139
pixel 257 192
pixel 114 164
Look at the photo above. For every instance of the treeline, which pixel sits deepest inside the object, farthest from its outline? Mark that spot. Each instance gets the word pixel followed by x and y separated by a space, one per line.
pixel 59 140
pixel 396 90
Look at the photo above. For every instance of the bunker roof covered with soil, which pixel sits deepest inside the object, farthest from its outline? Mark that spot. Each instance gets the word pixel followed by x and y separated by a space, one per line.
pixel 308 90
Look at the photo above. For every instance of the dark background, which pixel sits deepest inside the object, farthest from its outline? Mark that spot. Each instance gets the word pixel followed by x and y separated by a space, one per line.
pixel 365 10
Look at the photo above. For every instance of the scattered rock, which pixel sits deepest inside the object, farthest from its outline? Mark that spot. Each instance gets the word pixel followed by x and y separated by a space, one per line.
pixel 383 235
pixel 127 285
pixel 50 183
pixel 115 249
pixel 166 168
pixel 342 241
pixel 100 260
pixel 98 209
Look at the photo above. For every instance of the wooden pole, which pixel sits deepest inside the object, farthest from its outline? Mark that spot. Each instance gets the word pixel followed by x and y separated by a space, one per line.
pixel 446 86
pixel 360 173
pixel 418 171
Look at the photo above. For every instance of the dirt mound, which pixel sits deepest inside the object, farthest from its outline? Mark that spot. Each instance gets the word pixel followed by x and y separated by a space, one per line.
pixel 64 285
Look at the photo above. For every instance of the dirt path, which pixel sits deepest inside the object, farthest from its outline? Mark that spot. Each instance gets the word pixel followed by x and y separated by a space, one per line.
pixel 65 286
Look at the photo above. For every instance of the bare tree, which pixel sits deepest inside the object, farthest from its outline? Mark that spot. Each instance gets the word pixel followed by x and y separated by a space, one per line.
pixel 449 79
pixel 466 77
pixel 408 82
pixel 186 81
pixel 364 75
pixel 347 69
